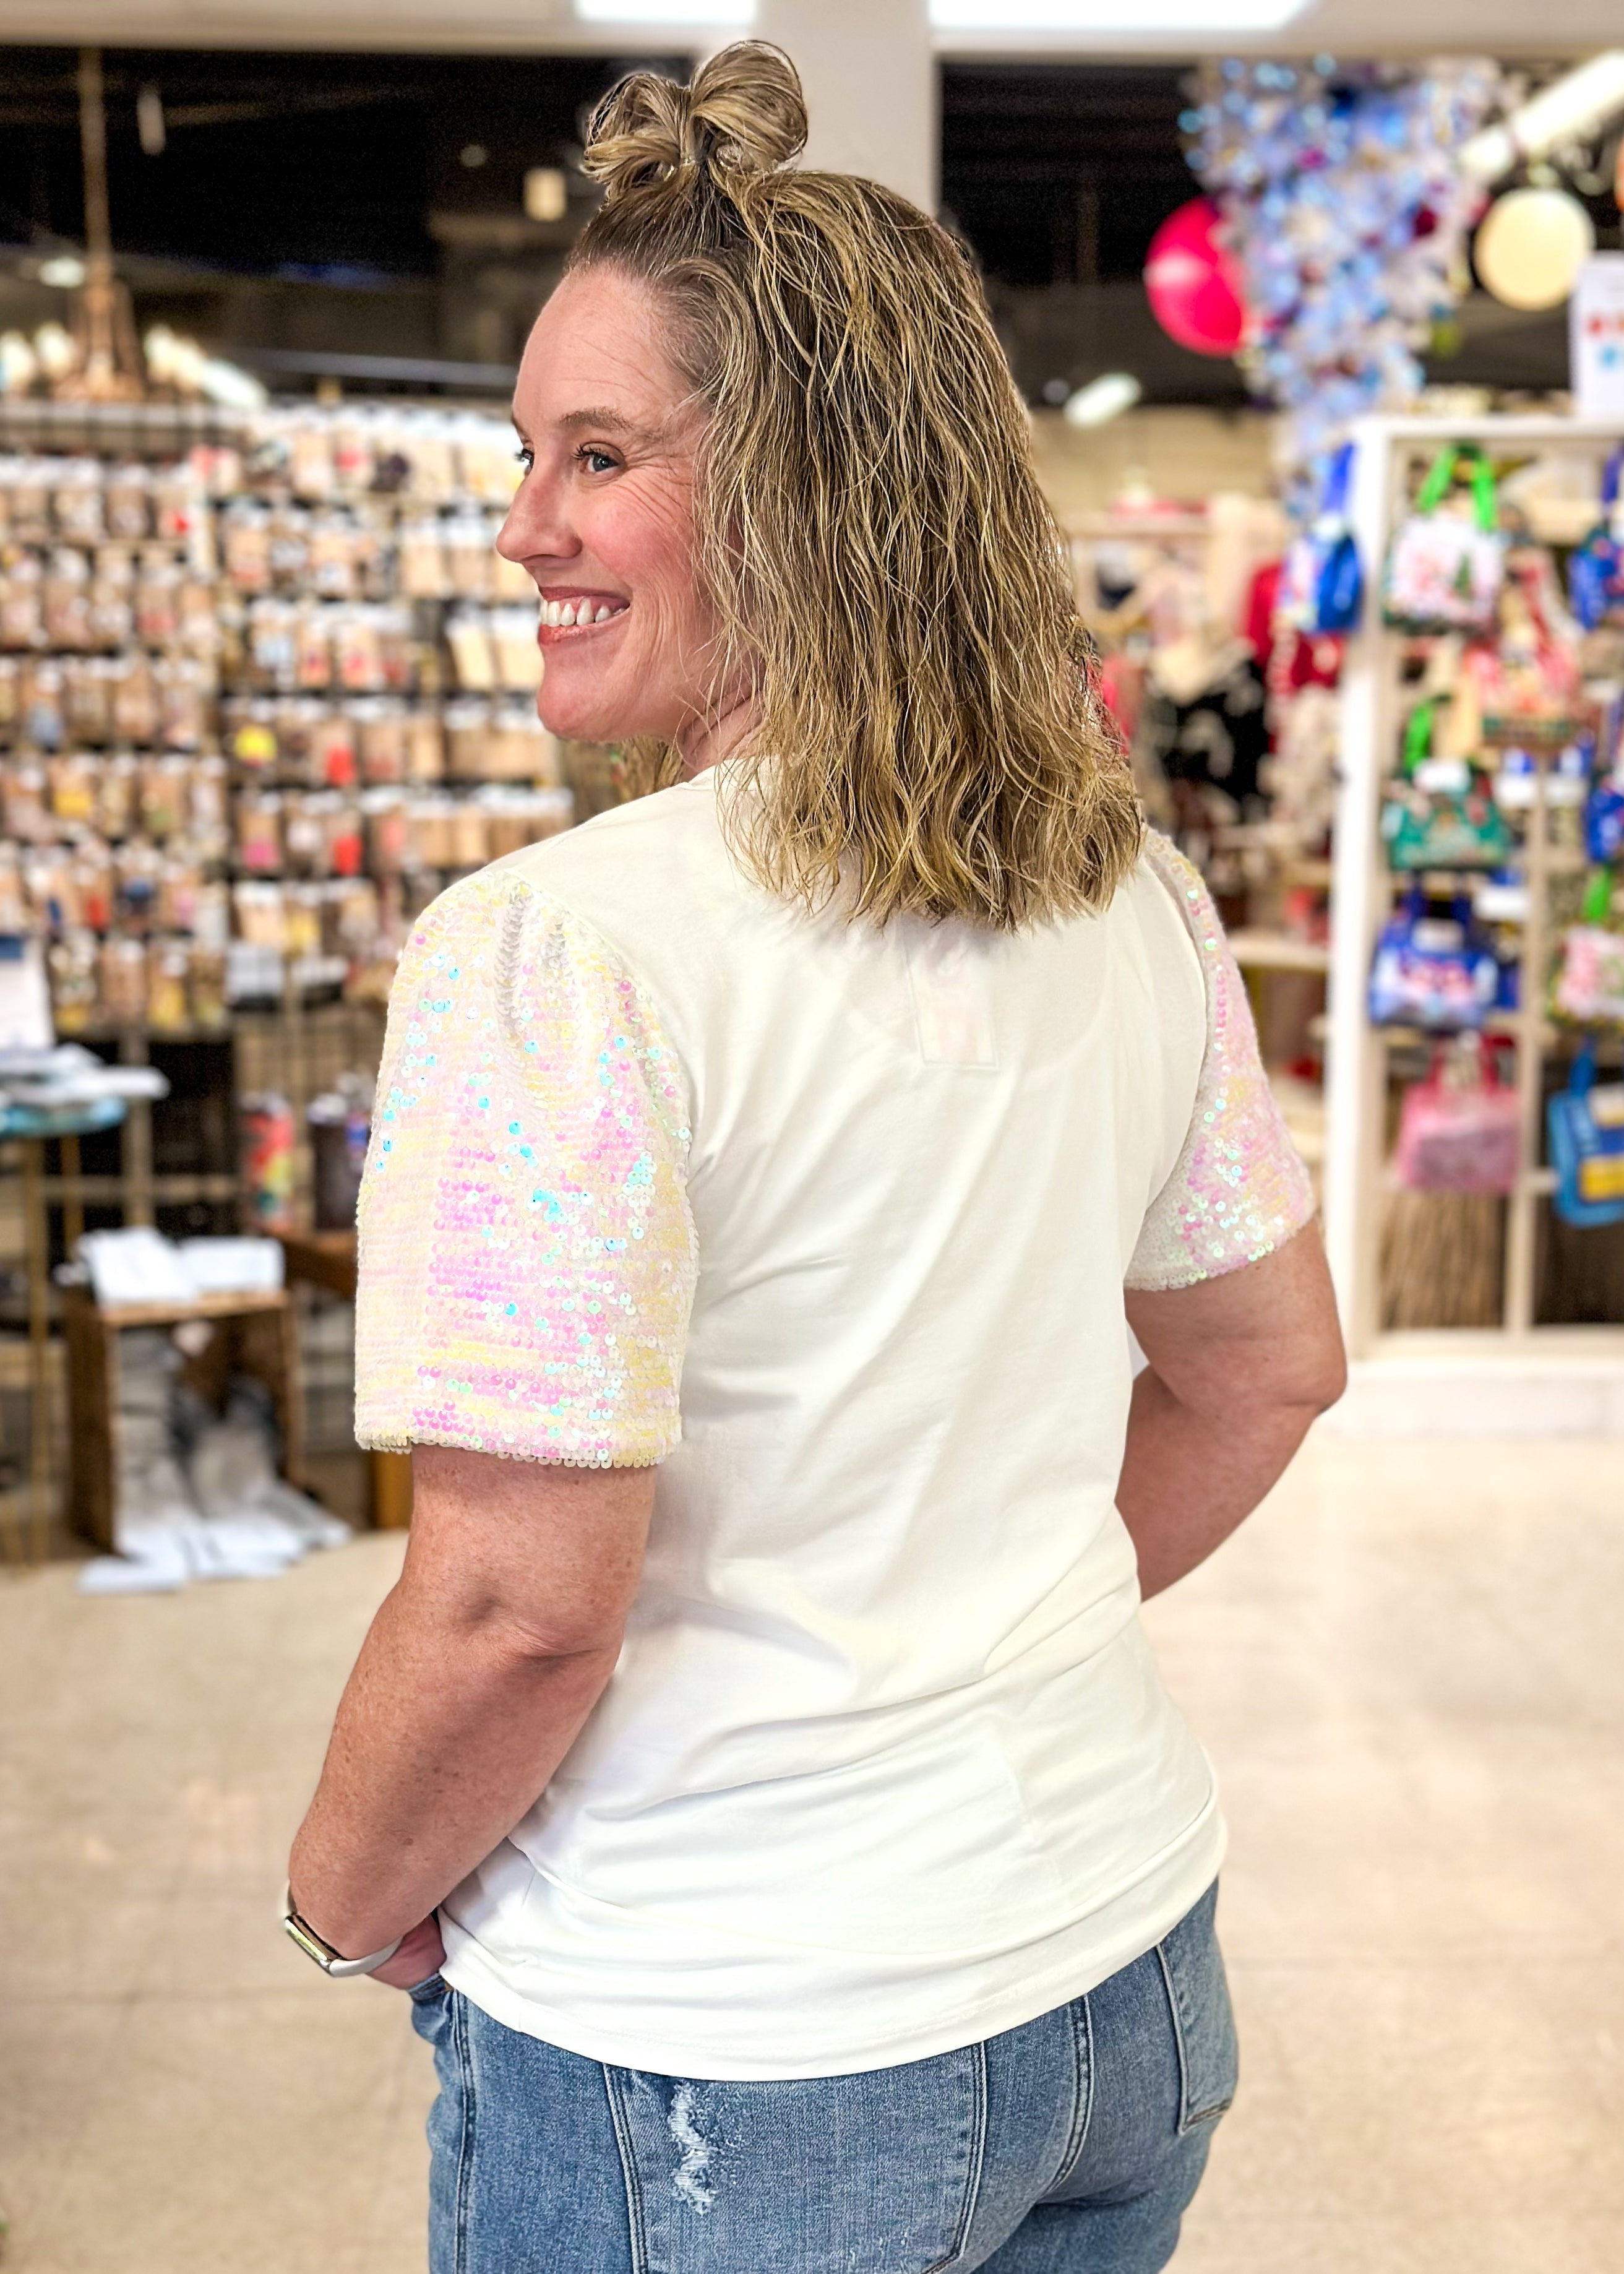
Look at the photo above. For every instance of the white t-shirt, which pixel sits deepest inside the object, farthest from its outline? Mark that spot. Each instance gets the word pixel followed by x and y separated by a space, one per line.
pixel 833 1223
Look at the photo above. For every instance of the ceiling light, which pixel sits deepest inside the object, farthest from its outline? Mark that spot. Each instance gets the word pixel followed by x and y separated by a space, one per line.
pixel 665 11
pixel 1103 398
pixel 66 272
pixel 1114 16
pixel 150 122
pixel 546 193
pixel 473 155
pixel 231 387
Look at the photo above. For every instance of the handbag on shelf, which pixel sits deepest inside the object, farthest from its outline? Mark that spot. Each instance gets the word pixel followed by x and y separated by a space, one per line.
pixel 1595 566
pixel 1445 569
pixel 1527 687
pixel 1458 1130
pixel 1439 815
pixel 1589 986
pixel 1431 971
pixel 1584 1124
pixel 1321 583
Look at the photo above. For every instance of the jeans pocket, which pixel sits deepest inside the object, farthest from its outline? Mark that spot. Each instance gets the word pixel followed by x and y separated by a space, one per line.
pixel 1203 2019
pixel 429 2003
pixel 877 2173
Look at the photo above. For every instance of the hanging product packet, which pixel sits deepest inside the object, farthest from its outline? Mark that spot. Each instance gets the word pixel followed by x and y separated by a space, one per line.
pixel 1604 822
pixel 1458 1130
pixel 1595 566
pixel 1526 685
pixel 1441 814
pixel 1584 1125
pixel 1433 972
pixel 1320 582
pixel 1445 569
pixel 1589 986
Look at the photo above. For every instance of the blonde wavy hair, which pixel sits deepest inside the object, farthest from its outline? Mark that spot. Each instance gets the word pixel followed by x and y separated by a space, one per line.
pixel 887 574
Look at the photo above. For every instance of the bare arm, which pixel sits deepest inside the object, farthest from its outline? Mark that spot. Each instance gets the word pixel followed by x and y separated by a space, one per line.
pixel 475 1676
pixel 1239 1366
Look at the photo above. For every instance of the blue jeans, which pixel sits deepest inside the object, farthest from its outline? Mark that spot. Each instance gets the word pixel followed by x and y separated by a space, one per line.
pixel 1072 2143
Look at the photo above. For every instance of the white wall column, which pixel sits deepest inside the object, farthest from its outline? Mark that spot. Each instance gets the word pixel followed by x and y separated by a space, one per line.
pixel 870 76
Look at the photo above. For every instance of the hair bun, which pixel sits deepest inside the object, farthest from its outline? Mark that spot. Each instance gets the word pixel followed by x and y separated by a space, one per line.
pixel 742 114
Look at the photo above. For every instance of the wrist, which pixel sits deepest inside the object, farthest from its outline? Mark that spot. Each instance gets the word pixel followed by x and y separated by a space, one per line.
pixel 331 1958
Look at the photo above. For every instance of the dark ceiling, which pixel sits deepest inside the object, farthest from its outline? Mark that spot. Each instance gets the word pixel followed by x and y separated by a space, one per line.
pixel 1059 174
pixel 321 202
pixel 276 164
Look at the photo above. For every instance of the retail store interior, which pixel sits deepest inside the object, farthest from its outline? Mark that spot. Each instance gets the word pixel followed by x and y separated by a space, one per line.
pixel 1319 314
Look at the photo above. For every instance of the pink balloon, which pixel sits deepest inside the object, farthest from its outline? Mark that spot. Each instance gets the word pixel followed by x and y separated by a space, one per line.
pixel 1194 282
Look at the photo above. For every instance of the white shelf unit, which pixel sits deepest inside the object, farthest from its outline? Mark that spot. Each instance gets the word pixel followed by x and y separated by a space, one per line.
pixel 1518 1377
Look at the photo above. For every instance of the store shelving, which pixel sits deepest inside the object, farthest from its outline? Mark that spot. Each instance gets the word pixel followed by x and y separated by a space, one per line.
pixel 1528 1375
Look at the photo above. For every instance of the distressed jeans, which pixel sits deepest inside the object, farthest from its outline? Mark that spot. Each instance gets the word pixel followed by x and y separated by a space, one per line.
pixel 1069 2146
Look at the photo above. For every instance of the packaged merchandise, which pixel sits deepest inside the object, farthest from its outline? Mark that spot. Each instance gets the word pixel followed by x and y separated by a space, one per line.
pixel 223 699
pixel 266 1155
pixel 1589 986
pixel 1585 1132
pixel 1458 1130
pixel 1443 815
pixel 1436 973
pixel 1321 583
pixel 1446 567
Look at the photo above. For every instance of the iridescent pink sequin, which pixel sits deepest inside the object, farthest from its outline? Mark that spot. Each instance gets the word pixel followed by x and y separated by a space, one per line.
pixel 1239 1190
pixel 527 1256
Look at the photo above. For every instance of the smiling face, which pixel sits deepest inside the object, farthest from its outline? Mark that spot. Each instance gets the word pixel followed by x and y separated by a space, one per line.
pixel 604 520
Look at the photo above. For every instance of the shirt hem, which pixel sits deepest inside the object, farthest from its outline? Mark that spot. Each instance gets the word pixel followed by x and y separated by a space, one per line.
pixel 471 1972
pixel 401 1440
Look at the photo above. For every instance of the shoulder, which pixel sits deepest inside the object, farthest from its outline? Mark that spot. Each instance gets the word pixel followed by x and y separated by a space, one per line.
pixel 632 856
pixel 1178 880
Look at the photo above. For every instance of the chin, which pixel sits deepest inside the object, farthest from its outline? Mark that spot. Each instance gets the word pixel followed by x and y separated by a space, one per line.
pixel 578 714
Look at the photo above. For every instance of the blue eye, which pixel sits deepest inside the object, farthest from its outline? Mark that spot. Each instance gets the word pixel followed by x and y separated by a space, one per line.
pixel 526 457
pixel 596 461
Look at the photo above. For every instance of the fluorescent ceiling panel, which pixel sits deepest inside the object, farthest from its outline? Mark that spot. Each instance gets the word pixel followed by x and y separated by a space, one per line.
pixel 1114 16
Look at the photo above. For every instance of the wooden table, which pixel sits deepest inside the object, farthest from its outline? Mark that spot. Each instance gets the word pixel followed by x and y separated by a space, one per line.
pixel 33 1129
pixel 327 1259
pixel 257 1334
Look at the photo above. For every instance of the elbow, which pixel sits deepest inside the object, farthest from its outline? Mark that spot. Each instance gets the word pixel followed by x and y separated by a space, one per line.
pixel 1318 1377
pixel 516 1636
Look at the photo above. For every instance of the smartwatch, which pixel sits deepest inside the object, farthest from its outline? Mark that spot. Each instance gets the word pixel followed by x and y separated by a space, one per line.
pixel 326 1957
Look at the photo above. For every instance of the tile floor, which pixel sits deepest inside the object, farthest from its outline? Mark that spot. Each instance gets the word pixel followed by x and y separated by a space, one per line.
pixel 1408 1668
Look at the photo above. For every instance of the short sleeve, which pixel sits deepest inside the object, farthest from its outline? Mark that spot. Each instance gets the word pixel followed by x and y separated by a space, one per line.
pixel 527 1257
pixel 1238 1189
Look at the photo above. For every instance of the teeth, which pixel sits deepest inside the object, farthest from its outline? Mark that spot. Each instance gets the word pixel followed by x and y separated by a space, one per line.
pixel 564 616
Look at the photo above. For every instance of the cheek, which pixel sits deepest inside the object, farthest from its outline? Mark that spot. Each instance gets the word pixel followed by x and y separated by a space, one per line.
pixel 650 543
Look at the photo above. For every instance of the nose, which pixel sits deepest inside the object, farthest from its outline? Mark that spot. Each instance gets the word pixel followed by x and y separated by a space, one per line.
pixel 537 525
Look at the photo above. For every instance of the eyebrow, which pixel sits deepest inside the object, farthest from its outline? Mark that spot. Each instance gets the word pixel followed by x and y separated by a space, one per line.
pixel 605 421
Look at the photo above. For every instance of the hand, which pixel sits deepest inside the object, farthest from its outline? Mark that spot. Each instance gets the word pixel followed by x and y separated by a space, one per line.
pixel 421 1954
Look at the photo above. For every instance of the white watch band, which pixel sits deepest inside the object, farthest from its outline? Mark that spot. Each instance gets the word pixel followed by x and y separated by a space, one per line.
pixel 323 1953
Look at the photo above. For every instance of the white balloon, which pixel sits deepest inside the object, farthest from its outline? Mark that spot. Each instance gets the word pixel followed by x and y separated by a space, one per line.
pixel 1529 247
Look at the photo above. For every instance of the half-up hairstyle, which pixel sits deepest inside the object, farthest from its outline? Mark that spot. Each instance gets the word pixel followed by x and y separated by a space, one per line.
pixel 872 534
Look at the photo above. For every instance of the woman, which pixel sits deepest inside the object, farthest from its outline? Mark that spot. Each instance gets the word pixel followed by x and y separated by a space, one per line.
pixel 762 1718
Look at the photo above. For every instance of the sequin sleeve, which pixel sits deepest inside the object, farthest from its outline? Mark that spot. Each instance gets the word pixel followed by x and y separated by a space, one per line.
pixel 527 1255
pixel 1239 1189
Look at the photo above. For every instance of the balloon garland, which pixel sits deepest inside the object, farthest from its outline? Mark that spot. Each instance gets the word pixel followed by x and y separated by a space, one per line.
pixel 1347 214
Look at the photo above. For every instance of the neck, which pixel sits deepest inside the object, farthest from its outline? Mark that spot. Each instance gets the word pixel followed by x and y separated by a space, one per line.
pixel 708 740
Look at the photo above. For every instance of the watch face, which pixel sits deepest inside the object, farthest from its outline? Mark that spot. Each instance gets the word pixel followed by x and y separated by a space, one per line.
pixel 312 1945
